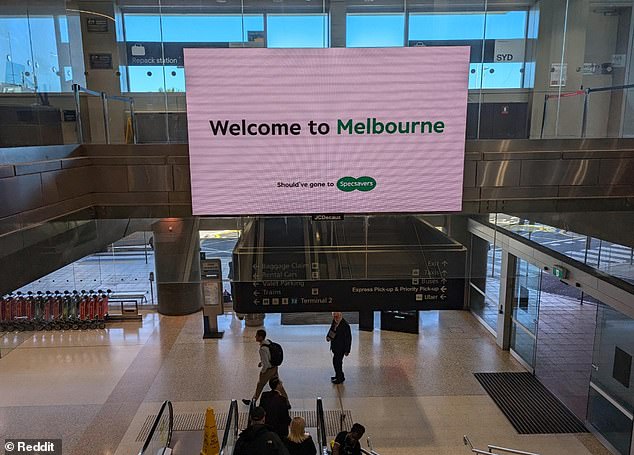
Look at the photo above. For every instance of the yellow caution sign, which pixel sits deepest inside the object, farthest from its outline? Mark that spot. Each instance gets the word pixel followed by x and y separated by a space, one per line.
pixel 211 446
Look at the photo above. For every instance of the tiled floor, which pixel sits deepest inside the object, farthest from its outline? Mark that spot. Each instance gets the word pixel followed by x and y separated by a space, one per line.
pixel 416 394
pixel 564 348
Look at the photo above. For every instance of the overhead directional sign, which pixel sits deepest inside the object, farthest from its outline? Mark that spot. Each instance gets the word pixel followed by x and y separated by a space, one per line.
pixel 293 287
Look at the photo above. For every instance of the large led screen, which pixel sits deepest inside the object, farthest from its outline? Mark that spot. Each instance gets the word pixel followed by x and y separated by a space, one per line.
pixel 312 131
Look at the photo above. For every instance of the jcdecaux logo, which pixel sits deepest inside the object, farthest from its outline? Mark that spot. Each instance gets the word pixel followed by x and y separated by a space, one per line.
pixel 364 183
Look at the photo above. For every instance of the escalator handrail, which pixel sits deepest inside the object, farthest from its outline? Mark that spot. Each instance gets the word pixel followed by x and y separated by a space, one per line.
pixel 321 428
pixel 232 415
pixel 166 405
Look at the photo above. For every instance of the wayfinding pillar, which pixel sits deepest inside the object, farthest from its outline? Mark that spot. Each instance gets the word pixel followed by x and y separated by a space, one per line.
pixel 211 275
pixel 177 261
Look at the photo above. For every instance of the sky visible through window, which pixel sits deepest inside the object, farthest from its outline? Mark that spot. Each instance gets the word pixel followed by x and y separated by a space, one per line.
pixel 311 31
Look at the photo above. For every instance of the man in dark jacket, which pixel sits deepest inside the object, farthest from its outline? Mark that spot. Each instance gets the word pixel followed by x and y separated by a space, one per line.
pixel 340 338
pixel 276 407
pixel 258 439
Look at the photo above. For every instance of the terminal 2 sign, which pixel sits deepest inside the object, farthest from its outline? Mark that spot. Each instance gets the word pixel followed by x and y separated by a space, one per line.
pixel 301 131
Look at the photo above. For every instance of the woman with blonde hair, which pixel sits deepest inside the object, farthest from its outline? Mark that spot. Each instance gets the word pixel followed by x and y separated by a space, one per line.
pixel 298 442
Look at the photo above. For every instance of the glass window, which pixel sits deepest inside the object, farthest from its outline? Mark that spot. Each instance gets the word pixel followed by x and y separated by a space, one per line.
pixel 15 49
pixel 142 27
pixel 445 27
pixel 297 30
pixel 484 276
pixel 506 25
pixel 146 79
pixel 174 79
pixel 63 29
pixel 209 29
pixel 179 29
pixel 45 53
pixel 612 392
pixel 471 29
pixel 525 303
pixel 502 75
pixel 375 30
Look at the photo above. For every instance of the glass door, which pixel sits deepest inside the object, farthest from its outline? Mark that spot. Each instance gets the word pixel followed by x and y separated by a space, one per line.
pixel 525 313
pixel 611 397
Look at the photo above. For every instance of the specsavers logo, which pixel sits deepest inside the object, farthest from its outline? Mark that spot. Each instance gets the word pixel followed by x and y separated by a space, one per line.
pixel 364 183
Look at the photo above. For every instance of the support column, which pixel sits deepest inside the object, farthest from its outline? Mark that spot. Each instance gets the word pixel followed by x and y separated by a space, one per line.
pixel 505 310
pixel 338 10
pixel 177 262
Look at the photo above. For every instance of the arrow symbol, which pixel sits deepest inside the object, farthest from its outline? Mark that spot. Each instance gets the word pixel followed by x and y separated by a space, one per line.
pixel 444 263
pixel 443 281
pixel 443 289
pixel 443 297
pixel 444 273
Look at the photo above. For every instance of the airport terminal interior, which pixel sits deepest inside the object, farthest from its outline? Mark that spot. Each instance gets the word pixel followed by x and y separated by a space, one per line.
pixel 483 258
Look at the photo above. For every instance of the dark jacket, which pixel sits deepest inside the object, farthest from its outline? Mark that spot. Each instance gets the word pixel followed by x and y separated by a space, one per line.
pixel 342 342
pixel 258 439
pixel 277 416
pixel 306 447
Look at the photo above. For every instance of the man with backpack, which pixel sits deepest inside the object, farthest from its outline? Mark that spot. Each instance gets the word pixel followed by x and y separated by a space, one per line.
pixel 271 357
pixel 258 439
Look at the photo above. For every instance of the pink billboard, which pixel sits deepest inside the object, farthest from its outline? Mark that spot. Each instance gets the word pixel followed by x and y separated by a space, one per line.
pixel 310 131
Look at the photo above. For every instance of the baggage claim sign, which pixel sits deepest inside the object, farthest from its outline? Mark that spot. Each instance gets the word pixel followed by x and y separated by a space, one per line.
pixel 308 131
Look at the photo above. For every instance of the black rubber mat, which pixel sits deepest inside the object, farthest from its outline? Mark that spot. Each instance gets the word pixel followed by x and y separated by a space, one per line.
pixel 528 405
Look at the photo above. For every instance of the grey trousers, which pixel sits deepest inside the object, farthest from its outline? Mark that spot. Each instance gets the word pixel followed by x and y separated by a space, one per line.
pixel 264 378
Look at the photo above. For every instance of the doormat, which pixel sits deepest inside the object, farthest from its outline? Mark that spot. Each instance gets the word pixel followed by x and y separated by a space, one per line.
pixel 528 405
pixel 316 318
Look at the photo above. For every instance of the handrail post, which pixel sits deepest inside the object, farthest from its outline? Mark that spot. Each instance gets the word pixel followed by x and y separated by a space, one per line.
pixel 133 121
pixel 78 122
pixel 106 115
pixel 584 119
pixel 541 135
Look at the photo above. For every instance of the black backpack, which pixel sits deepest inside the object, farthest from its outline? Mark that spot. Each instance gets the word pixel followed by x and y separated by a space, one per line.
pixel 277 353
pixel 261 444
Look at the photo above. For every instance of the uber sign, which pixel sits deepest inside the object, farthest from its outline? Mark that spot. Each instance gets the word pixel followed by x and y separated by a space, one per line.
pixel 509 50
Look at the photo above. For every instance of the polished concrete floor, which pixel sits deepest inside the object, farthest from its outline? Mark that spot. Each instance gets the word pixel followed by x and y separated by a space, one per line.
pixel 416 394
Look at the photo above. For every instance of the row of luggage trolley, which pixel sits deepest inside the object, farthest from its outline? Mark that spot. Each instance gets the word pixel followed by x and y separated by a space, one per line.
pixel 54 310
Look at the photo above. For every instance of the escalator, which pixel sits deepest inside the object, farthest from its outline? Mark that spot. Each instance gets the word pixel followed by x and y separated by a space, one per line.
pixel 162 438
pixel 323 447
pixel 159 439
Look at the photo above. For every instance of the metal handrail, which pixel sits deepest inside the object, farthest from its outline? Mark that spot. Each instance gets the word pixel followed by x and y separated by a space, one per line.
pixel 166 405
pixel 490 447
pixel 586 100
pixel 77 89
pixel 232 423
pixel 322 441
pixel 504 449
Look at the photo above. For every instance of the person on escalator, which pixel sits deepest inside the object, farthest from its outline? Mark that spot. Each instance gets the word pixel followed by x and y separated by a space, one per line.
pixel 276 407
pixel 298 442
pixel 258 439
pixel 347 443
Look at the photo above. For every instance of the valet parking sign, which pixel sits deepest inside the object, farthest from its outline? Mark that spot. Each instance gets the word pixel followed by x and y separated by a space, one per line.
pixel 299 131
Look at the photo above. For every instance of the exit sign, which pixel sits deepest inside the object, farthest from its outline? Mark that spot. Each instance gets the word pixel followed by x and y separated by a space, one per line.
pixel 560 272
